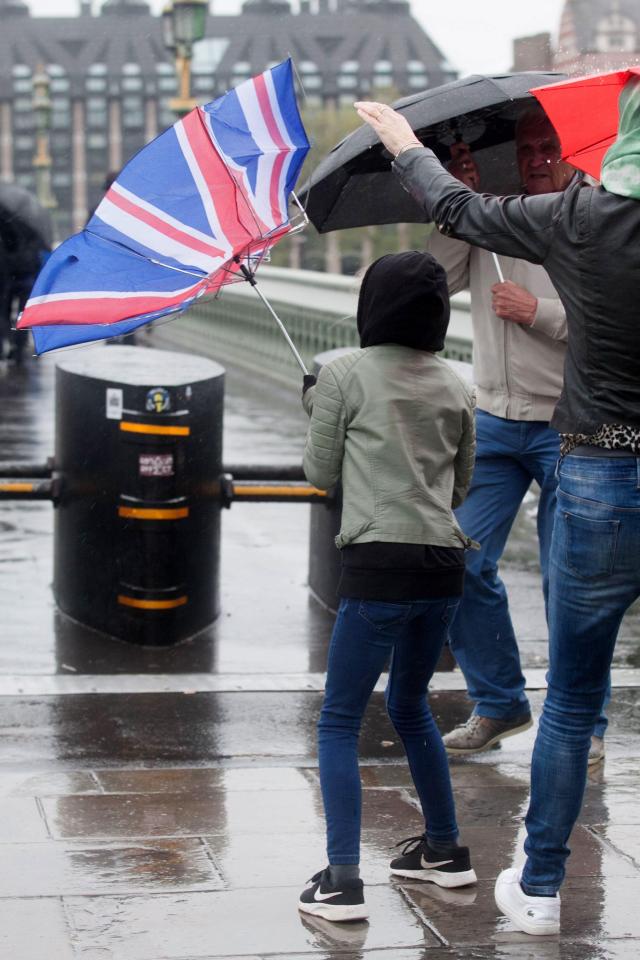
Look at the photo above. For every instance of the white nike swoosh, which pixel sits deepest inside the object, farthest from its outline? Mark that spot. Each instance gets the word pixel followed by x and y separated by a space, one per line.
pixel 432 866
pixel 318 897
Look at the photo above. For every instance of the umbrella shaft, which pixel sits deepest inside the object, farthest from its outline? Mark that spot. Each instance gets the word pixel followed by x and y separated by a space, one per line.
pixel 498 267
pixel 283 329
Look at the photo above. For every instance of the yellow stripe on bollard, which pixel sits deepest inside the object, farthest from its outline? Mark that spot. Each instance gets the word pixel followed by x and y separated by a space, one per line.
pixel 17 487
pixel 148 513
pixel 271 491
pixel 152 604
pixel 154 429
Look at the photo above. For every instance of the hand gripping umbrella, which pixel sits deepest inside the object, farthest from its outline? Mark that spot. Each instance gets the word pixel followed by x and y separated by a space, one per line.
pixel 197 208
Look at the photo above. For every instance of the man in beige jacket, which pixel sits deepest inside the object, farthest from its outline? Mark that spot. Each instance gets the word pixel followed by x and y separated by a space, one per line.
pixel 520 337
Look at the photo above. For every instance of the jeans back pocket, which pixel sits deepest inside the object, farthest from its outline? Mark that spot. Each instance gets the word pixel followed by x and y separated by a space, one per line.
pixel 590 545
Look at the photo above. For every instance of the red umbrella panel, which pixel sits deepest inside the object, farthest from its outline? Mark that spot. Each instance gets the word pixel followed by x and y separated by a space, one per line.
pixel 585 115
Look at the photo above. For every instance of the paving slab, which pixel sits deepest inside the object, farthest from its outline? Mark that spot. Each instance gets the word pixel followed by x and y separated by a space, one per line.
pixel 31 929
pixel 176 815
pixel 231 923
pixel 65 869
pixel 200 781
pixel 21 820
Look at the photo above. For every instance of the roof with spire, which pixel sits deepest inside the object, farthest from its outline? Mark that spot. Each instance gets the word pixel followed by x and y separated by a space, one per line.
pixel 586 18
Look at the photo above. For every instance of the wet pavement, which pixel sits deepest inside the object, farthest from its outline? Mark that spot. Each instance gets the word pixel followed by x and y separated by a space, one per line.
pixel 175 812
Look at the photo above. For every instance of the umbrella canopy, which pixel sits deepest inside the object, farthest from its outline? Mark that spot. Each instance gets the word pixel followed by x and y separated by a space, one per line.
pixel 353 186
pixel 21 213
pixel 196 208
pixel 585 115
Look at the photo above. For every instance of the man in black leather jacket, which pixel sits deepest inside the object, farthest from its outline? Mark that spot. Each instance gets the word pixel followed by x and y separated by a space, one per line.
pixel 586 239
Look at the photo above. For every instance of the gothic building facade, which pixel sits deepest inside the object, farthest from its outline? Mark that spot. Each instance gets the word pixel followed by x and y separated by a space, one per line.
pixel 111 78
pixel 594 36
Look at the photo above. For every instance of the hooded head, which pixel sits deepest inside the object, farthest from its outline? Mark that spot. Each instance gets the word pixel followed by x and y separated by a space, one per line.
pixel 404 299
pixel 621 164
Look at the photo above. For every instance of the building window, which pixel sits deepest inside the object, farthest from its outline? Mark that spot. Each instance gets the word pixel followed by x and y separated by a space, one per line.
pixel 132 83
pixel 131 69
pixel 23 86
pixel 167 83
pixel 96 84
pixel 61 179
pixel 59 85
pixel 23 103
pixel 616 33
pixel 208 54
pixel 96 141
pixel 20 70
pixel 418 81
pixel 347 82
pixel 312 82
pixel 415 66
pixel 23 121
pixel 204 84
pixel 350 66
pixel 24 143
pixel 132 112
pixel 98 70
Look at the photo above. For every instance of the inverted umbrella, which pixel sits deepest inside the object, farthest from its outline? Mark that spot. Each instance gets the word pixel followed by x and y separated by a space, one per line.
pixel 198 207
pixel 584 113
pixel 354 186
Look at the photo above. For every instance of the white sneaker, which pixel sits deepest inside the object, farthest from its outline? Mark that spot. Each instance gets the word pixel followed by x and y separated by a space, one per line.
pixel 538 916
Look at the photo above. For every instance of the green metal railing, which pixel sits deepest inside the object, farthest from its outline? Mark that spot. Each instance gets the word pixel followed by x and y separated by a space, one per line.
pixel 238 328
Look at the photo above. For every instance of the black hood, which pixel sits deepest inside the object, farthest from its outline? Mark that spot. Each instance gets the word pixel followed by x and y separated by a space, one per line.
pixel 404 299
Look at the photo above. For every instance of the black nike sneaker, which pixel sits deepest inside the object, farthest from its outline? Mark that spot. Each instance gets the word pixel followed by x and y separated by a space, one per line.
pixel 419 862
pixel 324 899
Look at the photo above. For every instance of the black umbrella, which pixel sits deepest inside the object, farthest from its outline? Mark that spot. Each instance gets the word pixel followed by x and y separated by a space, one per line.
pixel 20 211
pixel 353 185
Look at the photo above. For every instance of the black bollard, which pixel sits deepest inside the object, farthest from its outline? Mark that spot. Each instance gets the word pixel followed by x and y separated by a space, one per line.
pixel 139 457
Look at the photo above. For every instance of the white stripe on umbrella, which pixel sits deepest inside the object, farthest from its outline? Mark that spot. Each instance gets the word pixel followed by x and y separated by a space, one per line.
pixel 155 240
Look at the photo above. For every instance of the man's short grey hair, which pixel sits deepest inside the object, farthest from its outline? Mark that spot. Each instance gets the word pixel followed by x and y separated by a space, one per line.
pixel 532 115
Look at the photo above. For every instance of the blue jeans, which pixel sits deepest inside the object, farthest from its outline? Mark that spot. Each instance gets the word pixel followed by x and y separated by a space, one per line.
pixel 595 577
pixel 366 633
pixel 510 455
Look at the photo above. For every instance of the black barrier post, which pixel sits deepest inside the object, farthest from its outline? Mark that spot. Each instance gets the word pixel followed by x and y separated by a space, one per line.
pixel 137 532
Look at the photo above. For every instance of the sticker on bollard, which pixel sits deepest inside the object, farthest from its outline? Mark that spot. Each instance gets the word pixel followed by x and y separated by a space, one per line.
pixel 156 465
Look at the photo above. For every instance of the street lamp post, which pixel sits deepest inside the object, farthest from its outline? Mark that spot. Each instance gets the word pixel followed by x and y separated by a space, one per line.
pixel 42 159
pixel 184 24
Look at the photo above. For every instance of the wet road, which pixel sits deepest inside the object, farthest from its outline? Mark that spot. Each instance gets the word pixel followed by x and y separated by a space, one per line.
pixel 137 824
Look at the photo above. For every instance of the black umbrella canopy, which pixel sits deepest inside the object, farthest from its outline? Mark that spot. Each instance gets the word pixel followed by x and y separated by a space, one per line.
pixel 21 215
pixel 354 187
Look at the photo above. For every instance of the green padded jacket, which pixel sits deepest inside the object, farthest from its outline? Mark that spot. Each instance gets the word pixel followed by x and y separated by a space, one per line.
pixel 396 426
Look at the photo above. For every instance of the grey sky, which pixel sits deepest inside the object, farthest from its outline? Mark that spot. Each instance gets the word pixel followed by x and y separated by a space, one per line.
pixel 475 35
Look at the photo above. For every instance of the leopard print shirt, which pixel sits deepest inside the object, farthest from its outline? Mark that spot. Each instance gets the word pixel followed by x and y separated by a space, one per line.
pixel 610 436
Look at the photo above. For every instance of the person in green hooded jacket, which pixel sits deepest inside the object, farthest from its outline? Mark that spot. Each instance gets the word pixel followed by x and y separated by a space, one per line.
pixel 394 424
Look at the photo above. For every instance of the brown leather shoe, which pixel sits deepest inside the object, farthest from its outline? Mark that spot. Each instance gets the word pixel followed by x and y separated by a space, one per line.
pixel 596 751
pixel 481 733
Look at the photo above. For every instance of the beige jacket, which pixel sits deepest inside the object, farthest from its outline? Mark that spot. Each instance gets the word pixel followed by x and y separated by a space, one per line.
pixel 518 370
pixel 396 425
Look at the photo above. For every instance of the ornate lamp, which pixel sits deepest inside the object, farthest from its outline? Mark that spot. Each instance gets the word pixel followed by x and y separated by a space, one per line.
pixel 184 23
pixel 189 21
pixel 168 32
pixel 42 158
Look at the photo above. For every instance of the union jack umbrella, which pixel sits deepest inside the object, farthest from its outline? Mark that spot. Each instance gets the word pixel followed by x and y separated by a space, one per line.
pixel 198 207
